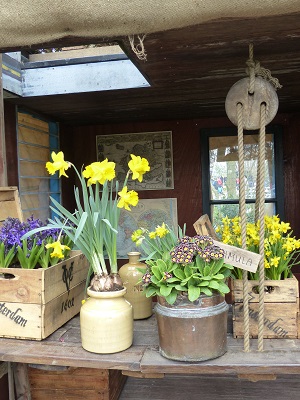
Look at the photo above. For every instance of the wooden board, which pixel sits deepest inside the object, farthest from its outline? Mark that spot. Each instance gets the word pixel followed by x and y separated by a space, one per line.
pixel 34 303
pixel 281 308
pixel 75 383
pixel 39 286
pixel 285 291
pixel 10 203
pixel 280 320
pixel 37 321
pixel 63 347
pixel 203 226
pixel 235 256
pixel 212 387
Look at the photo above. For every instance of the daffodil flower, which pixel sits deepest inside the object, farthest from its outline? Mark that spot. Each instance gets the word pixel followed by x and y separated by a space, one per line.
pixel 136 235
pixel 127 198
pixel 58 164
pixel 58 249
pixel 139 166
pixel 162 230
pixel 99 172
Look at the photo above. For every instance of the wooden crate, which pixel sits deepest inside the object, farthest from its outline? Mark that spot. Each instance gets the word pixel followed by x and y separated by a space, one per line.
pixel 10 203
pixel 281 305
pixel 75 383
pixel 34 303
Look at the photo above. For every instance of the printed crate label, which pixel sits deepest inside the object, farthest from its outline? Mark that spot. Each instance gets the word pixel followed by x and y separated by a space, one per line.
pixel 280 320
pixel 35 321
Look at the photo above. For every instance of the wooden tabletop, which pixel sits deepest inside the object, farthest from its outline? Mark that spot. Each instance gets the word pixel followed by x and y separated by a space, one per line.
pixel 63 348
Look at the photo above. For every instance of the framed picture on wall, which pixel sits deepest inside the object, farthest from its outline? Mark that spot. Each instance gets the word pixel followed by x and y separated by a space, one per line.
pixel 147 214
pixel 156 147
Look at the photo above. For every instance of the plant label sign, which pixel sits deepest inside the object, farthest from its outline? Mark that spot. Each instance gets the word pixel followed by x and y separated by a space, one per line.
pixel 239 258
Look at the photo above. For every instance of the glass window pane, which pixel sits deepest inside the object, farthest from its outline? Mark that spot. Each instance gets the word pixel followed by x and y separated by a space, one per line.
pixel 224 172
pixel 219 211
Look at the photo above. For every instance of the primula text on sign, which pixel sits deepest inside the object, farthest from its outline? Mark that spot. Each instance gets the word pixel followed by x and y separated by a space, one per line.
pixel 239 258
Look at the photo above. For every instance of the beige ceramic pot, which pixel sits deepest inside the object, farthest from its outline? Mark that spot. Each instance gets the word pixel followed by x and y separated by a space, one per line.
pixel 131 277
pixel 106 322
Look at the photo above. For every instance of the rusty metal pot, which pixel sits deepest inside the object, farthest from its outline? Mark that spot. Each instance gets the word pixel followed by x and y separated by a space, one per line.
pixel 192 331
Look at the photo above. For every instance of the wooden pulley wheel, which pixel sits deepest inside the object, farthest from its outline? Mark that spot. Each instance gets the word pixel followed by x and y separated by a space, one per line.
pixel 264 92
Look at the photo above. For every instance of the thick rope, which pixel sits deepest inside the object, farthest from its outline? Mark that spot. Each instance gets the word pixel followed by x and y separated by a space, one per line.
pixel 251 69
pixel 262 144
pixel 254 69
pixel 257 192
pixel 242 205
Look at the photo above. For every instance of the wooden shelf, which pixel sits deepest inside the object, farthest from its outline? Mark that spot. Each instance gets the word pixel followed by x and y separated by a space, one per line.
pixel 63 348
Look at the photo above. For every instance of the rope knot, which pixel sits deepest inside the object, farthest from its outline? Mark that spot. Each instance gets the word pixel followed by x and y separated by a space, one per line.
pixel 254 69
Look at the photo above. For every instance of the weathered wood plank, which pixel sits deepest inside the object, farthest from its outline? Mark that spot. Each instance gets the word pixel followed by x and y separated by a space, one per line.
pixel 63 347
pixel 210 387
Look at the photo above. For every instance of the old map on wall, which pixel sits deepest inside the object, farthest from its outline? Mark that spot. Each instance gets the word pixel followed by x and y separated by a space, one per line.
pixel 156 147
pixel 147 214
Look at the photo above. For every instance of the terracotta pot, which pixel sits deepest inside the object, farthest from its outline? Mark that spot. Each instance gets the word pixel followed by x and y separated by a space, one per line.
pixel 106 322
pixel 142 305
pixel 194 331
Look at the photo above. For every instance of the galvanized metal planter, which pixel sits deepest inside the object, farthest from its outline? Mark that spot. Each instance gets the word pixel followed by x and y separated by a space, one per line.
pixel 192 331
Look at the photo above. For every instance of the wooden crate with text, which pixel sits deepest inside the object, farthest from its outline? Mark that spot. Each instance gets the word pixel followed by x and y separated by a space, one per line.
pixel 34 303
pixel 281 308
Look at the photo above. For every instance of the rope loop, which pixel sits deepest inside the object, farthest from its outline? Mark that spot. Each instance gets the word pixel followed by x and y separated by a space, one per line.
pixel 138 48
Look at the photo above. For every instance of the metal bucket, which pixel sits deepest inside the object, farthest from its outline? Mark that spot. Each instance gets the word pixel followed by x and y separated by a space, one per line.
pixel 192 331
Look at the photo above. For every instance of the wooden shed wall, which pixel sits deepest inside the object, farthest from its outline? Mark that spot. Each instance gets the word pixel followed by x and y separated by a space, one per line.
pixel 79 145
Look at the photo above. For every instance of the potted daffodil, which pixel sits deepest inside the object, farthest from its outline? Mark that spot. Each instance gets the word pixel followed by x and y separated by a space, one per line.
pixel 93 228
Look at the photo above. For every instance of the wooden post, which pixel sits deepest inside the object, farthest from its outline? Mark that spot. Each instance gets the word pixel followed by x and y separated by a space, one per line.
pixel 3 170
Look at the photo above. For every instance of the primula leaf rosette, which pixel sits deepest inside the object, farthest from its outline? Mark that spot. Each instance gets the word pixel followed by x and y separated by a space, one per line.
pixel 93 226
pixel 281 249
pixel 178 264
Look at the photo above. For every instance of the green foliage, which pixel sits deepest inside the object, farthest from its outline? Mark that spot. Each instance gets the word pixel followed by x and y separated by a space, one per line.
pixel 168 279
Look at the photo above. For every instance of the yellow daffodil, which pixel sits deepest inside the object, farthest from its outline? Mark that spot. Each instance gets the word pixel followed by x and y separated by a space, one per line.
pixel 139 166
pixel 99 172
pixel 127 199
pixel 152 235
pixel 281 250
pixel 58 249
pixel 58 164
pixel 136 235
pixel 162 230
pixel 275 261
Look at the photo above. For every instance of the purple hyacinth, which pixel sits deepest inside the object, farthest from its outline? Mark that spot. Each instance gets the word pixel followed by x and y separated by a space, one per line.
pixel 13 229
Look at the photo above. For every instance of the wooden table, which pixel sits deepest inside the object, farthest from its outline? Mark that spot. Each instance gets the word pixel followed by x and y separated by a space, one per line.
pixel 63 348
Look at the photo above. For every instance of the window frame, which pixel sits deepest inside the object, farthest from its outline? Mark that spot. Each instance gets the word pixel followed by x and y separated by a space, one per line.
pixel 206 133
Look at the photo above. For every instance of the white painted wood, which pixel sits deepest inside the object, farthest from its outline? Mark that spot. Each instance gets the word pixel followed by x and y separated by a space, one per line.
pixel 12 75
pixel 239 258
pixel 91 77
